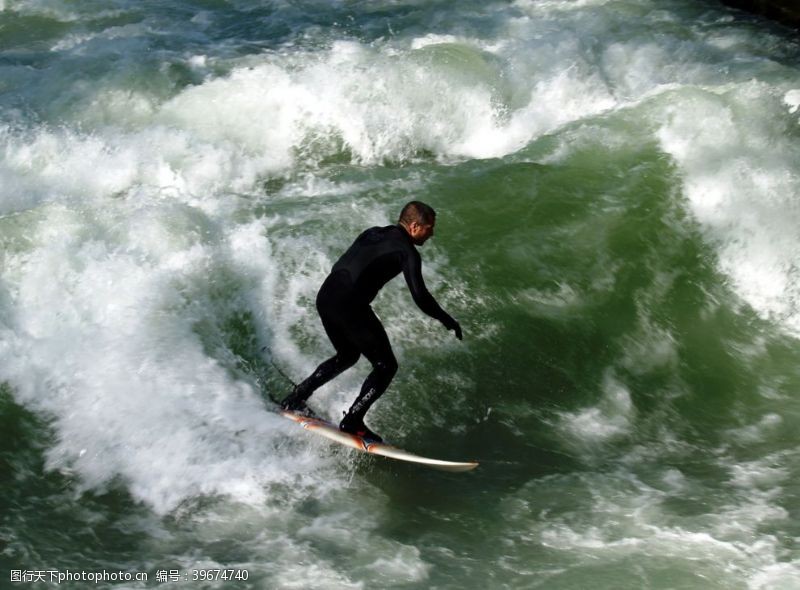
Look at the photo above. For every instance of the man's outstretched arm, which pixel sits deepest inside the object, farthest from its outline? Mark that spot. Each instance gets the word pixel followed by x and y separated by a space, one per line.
pixel 412 271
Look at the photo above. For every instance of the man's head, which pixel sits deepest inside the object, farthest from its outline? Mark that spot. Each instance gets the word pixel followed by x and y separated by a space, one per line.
pixel 418 219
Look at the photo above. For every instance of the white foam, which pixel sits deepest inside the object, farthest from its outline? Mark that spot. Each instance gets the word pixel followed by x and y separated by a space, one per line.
pixel 433 39
pixel 758 432
pixel 53 166
pixel 618 517
pixel 649 348
pixel 792 100
pixel 282 545
pixel 265 120
pixel 741 185
pixel 758 474
pixel 110 34
pixel 785 575
pixel 386 104
pixel 55 9
pixel 608 420
pixel 103 338
pixel 406 566
pixel 450 96
pixel 369 555
pixel 550 6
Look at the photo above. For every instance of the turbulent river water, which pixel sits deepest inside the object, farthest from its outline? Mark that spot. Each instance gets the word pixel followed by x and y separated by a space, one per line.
pixel 618 193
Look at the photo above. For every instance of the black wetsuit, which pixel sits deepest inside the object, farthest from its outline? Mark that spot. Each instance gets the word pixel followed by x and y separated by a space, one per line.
pixel 378 255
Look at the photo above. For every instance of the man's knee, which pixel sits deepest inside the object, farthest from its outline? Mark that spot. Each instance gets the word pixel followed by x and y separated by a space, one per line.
pixel 345 360
pixel 387 366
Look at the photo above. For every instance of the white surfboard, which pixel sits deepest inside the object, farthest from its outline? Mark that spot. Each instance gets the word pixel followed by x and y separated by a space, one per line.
pixel 333 433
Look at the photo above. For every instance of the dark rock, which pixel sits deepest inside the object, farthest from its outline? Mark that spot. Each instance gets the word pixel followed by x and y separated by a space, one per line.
pixel 784 11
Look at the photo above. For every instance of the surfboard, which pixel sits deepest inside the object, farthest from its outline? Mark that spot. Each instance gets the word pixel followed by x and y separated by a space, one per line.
pixel 332 432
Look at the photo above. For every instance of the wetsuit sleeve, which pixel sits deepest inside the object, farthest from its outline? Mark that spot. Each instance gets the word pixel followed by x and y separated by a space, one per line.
pixel 412 271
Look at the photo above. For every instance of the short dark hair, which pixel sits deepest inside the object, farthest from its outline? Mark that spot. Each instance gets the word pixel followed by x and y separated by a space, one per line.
pixel 419 212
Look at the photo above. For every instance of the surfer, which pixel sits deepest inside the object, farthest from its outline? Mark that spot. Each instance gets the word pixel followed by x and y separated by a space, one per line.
pixel 343 302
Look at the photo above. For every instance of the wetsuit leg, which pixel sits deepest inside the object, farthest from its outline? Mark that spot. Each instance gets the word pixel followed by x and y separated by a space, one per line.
pixel 335 321
pixel 353 329
pixel 370 337
pixel 345 357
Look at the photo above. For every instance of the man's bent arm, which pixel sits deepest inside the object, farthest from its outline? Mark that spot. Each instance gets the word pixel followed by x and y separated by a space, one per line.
pixel 412 271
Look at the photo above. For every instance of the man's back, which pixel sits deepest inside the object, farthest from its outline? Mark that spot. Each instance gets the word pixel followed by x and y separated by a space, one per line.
pixel 376 257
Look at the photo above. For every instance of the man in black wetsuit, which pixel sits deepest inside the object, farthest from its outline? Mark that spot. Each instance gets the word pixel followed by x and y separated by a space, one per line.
pixel 343 302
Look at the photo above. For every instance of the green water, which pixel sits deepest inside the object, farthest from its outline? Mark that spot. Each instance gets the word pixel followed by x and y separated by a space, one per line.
pixel 617 187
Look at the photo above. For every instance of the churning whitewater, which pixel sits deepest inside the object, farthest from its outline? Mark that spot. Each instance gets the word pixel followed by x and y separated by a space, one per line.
pixel 617 184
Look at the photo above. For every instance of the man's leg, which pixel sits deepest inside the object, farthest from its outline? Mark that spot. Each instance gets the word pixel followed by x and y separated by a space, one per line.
pixel 373 342
pixel 346 356
pixel 327 371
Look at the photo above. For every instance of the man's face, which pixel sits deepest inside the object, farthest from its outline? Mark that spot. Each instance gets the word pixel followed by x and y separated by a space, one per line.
pixel 421 232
